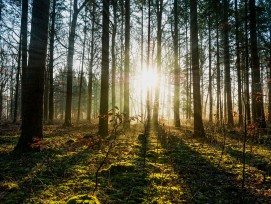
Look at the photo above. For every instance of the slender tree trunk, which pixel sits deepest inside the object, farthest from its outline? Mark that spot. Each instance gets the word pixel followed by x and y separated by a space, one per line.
pixel 247 102
pixel 269 80
pixel 121 96
pixel 114 3
pixel 257 93
pixel 51 64
pixel 227 64
pixel 16 96
pixel 24 28
pixel 103 120
pixel 90 70
pixel 127 65
pixel 46 95
pixel 142 58
pixel 81 76
pixel 159 60
pixel 32 114
pixel 210 72
pixel 238 66
pixel 176 67
pixel 198 124
pixel 68 107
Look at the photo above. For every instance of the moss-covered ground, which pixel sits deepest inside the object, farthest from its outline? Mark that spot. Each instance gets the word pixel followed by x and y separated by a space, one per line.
pixel 165 165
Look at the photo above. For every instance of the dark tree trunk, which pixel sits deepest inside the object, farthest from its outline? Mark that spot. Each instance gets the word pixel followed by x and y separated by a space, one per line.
pixel 32 114
pixel 198 124
pixel 269 80
pixel 257 95
pixel 51 64
pixel 16 96
pixel 103 120
pixel 176 67
pixel 127 64
pixel 81 76
pixel 90 70
pixel 227 64
pixel 210 72
pixel 238 66
pixel 68 108
pixel 247 100
pixel 159 60
pixel 114 3
pixel 24 50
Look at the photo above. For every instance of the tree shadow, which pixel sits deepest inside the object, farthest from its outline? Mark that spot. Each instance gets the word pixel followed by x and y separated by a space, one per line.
pixel 207 183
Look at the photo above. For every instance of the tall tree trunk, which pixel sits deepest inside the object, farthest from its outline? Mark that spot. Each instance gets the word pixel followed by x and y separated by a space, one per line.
pixel 227 64
pixel 46 94
pixel 103 120
pixel 51 64
pixel 142 58
pixel 114 3
pixel 24 28
pixel 238 66
pixel 210 71
pixel 257 94
pixel 176 67
pixel 32 114
pixel 159 60
pixel 127 64
pixel 247 100
pixel 198 124
pixel 81 75
pixel 68 107
pixel 121 96
pixel 16 96
pixel 269 80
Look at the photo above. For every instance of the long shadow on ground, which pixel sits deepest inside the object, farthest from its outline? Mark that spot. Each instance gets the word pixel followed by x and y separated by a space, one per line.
pixel 207 183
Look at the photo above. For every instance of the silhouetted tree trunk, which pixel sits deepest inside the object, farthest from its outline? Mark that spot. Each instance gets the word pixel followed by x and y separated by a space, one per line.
pixel 176 67
pixel 103 120
pixel 269 80
pixel 257 95
pixel 210 71
pixel 159 61
pixel 127 64
pixel 32 114
pixel 114 3
pixel 16 96
pixel 51 64
pixel 198 124
pixel 247 100
pixel 238 66
pixel 68 108
pixel 90 70
pixel 227 64
pixel 81 75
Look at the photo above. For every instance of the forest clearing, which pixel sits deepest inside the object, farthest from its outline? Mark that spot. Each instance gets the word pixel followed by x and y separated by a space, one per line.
pixel 171 166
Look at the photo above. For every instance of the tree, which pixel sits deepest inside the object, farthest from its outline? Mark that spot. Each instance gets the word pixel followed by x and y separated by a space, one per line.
pixel 198 124
pixel 127 65
pixel 257 94
pixel 227 63
pixel 68 108
pixel 103 120
pixel 159 60
pixel 176 67
pixel 32 113
pixel 51 64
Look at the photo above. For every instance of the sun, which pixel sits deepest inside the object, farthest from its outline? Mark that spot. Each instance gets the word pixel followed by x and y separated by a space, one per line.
pixel 149 78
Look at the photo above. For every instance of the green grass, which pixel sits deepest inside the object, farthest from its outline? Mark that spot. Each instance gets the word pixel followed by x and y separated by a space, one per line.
pixel 178 168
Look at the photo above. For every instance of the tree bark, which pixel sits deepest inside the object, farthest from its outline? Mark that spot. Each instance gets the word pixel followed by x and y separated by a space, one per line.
pixel 32 114
pixel 198 124
pixel 127 65
pixel 103 120
pixel 257 94
pixel 159 60
pixel 227 64
pixel 51 64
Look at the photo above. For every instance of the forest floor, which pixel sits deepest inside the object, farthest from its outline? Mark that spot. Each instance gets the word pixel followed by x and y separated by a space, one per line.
pixel 164 165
